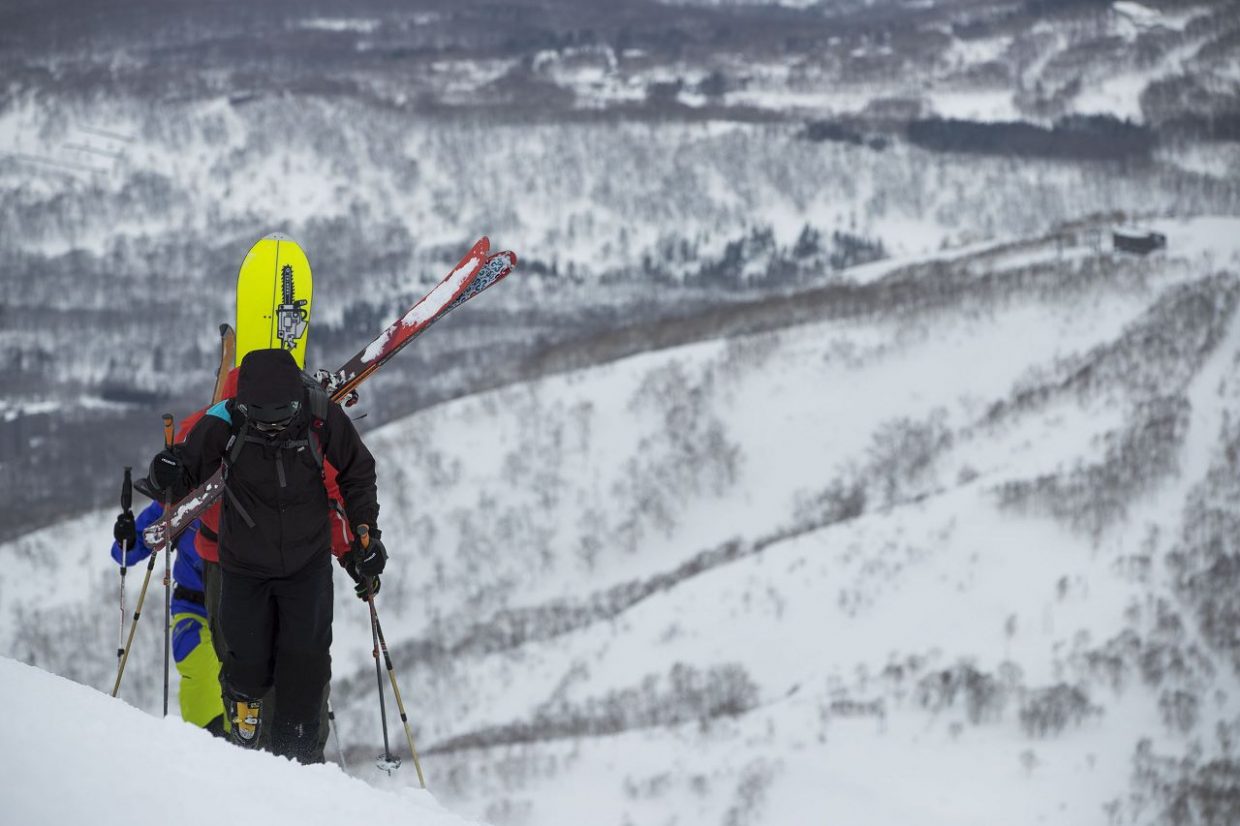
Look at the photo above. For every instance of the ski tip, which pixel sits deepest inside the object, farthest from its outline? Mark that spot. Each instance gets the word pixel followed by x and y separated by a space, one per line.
pixel 224 328
pixel 278 236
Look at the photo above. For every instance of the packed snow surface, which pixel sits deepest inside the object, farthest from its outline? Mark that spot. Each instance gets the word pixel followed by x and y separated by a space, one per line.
pixel 76 756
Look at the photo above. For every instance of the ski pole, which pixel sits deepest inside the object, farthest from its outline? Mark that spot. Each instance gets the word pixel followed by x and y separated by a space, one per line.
pixel 400 704
pixel 387 762
pixel 127 508
pixel 331 722
pixel 167 566
pixel 133 627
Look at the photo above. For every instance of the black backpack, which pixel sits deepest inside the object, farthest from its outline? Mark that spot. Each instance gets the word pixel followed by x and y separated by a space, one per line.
pixel 241 435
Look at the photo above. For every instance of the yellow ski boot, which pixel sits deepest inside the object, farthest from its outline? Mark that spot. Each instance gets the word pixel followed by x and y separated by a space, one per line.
pixel 247 718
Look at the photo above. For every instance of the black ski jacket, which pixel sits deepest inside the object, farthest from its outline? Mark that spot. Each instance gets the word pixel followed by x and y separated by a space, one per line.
pixel 274 514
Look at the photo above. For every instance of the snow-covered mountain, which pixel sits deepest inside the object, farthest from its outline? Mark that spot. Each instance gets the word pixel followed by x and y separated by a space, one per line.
pixel 950 539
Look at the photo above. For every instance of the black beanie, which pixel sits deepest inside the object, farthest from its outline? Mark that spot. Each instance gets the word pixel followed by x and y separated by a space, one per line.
pixel 269 377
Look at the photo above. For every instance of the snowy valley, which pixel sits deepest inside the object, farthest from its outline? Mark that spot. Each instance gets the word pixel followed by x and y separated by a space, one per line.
pixel 754 148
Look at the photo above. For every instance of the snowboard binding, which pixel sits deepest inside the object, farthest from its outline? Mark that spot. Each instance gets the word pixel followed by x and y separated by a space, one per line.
pixel 292 323
pixel 331 382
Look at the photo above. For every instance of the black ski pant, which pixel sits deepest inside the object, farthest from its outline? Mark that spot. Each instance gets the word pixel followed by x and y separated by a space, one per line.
pixel 212 586
pixel 278 634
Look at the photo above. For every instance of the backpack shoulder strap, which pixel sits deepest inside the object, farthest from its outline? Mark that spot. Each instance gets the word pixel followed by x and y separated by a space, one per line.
pixel 236 438
pixel 232 449
pixel 320 403
pixel 320 399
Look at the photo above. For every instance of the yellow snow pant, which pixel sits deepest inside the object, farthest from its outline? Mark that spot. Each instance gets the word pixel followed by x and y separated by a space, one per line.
pixel 199 669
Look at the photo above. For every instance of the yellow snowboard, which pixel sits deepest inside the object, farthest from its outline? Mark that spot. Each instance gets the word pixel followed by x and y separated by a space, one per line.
pixel 274 293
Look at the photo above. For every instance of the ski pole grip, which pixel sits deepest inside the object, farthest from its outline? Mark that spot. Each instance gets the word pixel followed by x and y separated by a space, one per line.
pixel 127 491
pixel 167 430
pixel 363 535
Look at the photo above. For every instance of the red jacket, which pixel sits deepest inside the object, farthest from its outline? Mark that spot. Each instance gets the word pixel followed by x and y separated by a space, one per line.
pixel 207 541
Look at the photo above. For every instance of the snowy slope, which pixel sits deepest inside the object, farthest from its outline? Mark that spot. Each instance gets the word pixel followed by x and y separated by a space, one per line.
pixel 924 545
pixel 73 755
pixel 924 631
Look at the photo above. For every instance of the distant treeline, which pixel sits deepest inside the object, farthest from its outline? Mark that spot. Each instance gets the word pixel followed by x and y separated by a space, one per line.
pixel 1077 137
pixel 1219 127
pixel 819 131
pixel 1040 8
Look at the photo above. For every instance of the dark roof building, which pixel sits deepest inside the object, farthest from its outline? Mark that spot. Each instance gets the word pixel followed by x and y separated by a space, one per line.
pixel 1138 241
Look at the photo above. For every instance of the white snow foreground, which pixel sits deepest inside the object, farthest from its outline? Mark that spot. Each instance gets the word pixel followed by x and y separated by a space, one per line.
pixel 70 754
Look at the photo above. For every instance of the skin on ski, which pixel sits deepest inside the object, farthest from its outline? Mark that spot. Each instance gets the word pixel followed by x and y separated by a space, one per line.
pixel 446 296
pixel 480 272
pixel 275 290
pixel 228 357
pixel 494 269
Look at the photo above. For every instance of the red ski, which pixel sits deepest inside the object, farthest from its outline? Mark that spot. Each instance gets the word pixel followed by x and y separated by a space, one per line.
pixel 475 272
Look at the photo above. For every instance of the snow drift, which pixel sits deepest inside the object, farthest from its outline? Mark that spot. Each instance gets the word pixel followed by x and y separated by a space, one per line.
pixel 69 754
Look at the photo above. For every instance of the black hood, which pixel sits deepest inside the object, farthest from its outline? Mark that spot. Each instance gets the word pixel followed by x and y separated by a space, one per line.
pixel 269 384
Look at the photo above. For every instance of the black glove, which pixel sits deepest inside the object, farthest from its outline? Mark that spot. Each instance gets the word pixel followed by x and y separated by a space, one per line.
pixel 124 531
pixel 371 559
pixel 361 587
pixel 167 473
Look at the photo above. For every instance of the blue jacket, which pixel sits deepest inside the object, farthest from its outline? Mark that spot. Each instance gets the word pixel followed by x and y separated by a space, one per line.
pixel 186 571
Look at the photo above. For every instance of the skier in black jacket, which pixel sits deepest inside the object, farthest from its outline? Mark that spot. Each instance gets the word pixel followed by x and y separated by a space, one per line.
pixel 275 546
